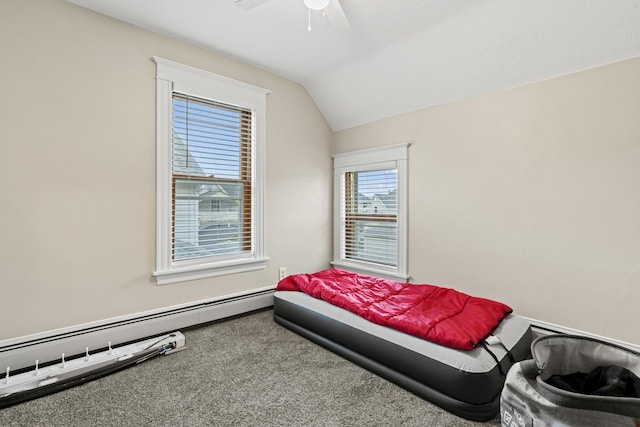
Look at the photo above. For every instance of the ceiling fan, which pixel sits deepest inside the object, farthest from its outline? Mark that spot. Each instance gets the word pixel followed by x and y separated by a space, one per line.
pixel 331 9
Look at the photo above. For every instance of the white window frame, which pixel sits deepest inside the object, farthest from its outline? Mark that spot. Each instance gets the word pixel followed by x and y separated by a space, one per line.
pixel 389 157
pixel 170 77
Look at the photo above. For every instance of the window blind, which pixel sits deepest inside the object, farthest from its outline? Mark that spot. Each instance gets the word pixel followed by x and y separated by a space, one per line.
pixel 211 166
pixel 371 216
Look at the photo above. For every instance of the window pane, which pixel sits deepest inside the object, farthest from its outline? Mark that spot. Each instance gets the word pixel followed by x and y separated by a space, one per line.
pixel 371 210
pixel 211 164
pixel 207 218
pixel 209 139
pixel 375 242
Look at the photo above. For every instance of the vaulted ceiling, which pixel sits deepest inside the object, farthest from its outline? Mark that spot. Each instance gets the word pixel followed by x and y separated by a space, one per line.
pixel 397 56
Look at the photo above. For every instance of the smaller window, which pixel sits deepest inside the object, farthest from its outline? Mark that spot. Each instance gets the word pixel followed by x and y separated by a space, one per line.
pixel 371 235
pixel 370 211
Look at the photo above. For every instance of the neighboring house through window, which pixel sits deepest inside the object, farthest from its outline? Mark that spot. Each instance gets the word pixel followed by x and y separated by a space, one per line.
pixel 210 174
pixel 370 231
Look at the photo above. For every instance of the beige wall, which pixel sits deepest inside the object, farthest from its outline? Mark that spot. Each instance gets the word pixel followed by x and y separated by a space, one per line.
pixel 77 153
pixel 530 196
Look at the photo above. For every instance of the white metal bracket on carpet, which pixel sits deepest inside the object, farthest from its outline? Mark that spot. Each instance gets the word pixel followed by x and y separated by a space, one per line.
pixel 68 373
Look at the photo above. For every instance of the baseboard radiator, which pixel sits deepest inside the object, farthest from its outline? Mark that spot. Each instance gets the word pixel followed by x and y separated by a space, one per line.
pixel 21 353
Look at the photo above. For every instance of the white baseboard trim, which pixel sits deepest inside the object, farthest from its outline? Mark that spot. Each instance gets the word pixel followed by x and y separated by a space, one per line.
pixel 22 352
pixel 546 328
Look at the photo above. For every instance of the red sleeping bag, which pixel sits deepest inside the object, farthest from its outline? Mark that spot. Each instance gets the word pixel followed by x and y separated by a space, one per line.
pixel 444 316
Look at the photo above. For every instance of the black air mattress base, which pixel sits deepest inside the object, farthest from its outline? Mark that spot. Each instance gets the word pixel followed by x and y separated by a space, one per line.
pixel 465 382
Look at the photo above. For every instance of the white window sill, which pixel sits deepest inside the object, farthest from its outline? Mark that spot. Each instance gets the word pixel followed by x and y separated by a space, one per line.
pixel 203 271
pixel 371 270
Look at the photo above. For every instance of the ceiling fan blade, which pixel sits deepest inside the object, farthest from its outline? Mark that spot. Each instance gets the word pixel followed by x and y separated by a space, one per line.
pixel 335 14
pixel 249 4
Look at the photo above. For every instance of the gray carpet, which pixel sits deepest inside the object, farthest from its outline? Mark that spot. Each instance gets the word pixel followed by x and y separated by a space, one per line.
pixel 247 371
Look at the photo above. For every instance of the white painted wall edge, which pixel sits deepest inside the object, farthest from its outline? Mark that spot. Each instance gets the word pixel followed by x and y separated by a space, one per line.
pixel 22 352
pixel 546 328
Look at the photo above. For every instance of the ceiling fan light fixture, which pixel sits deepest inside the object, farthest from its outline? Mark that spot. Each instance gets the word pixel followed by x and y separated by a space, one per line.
pixel 316 4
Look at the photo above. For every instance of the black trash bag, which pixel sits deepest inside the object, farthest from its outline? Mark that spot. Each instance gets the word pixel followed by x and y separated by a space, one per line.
pixel 609 380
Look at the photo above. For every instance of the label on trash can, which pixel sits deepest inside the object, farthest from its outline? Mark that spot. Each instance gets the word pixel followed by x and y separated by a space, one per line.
pixel 511 416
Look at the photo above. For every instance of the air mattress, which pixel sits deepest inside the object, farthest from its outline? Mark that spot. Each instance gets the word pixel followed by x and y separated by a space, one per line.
pixel 465 382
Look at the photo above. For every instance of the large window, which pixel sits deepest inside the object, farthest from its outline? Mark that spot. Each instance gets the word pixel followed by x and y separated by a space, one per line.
pixel 370 202
pixel 210 188
pixel 370 211
pixel 211 178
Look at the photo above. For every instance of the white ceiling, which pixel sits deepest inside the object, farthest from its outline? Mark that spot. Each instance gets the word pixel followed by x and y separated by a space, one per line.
pixel 399 55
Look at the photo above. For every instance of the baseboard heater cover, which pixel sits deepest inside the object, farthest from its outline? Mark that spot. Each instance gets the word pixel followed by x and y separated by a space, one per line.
pixel 20 353
pixel 41 381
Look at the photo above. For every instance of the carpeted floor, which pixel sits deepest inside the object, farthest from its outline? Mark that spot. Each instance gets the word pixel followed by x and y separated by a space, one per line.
pixel 247 371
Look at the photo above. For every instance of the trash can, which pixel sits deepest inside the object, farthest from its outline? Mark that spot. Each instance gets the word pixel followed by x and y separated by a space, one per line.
pixel 573 381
